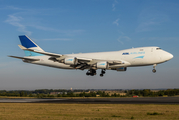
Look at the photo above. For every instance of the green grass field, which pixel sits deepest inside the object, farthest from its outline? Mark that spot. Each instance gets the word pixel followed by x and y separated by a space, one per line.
pixel 45 111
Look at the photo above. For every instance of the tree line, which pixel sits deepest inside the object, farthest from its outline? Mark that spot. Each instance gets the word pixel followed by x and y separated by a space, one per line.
pixel 84 93
pixel 150 93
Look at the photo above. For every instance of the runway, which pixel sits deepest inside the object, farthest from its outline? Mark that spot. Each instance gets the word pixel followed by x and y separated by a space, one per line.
pixel 144 100
pixel 24 100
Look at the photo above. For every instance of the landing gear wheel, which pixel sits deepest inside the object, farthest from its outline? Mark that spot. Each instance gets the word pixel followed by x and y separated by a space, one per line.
pixel 101 75
pixel 91 72
pixel 102 72
pixel 154 70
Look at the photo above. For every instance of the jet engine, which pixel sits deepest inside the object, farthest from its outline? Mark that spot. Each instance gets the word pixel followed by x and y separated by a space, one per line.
pixel 71 61
pixel 102 65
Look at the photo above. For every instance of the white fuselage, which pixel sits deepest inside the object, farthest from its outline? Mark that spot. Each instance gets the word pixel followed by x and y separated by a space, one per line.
pixel 142 56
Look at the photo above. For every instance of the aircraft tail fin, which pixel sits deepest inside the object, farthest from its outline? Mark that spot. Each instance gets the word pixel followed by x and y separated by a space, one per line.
pixel 28 43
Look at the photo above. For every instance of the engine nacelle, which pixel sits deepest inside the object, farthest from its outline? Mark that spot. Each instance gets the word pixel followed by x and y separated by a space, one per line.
pixel 102 65
pixel 121 69
pixel 71 61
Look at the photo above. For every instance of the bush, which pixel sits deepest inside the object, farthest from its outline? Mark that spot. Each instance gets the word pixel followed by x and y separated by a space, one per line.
pixel 115 116
pixel 154 113
pixel 59 95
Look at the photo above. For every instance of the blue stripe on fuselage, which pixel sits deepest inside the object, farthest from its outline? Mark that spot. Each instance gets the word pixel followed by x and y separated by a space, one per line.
pixel 139 57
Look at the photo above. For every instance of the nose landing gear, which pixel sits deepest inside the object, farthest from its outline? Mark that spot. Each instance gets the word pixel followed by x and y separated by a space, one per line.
pixel 154 70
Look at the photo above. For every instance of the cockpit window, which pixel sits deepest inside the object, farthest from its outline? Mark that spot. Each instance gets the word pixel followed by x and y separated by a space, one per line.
pixel 158 48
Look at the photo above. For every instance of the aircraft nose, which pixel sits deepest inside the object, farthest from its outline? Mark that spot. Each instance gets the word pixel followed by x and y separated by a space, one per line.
pixel 165 56
pixel 170 56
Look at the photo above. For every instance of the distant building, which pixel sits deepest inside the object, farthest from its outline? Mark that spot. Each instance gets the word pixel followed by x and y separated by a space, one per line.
pixel 56 93
pixel 122 94
pixel 97 95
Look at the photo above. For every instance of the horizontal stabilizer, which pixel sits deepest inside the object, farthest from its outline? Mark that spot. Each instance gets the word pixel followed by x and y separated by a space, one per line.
pixel 31 59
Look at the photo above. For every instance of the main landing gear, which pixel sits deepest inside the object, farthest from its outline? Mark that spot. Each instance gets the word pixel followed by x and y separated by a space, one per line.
pixel 102 72
pixel 154 70
pixel 91 72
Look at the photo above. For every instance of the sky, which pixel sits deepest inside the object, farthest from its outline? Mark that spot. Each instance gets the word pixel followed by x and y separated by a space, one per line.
pixel 83 26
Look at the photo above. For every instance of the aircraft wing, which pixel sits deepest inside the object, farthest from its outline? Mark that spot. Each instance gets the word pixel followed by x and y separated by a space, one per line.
pixel 88 63
pixel 83 63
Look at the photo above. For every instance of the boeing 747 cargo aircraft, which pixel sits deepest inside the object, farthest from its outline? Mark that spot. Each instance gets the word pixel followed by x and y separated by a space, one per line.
pixel 116 60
